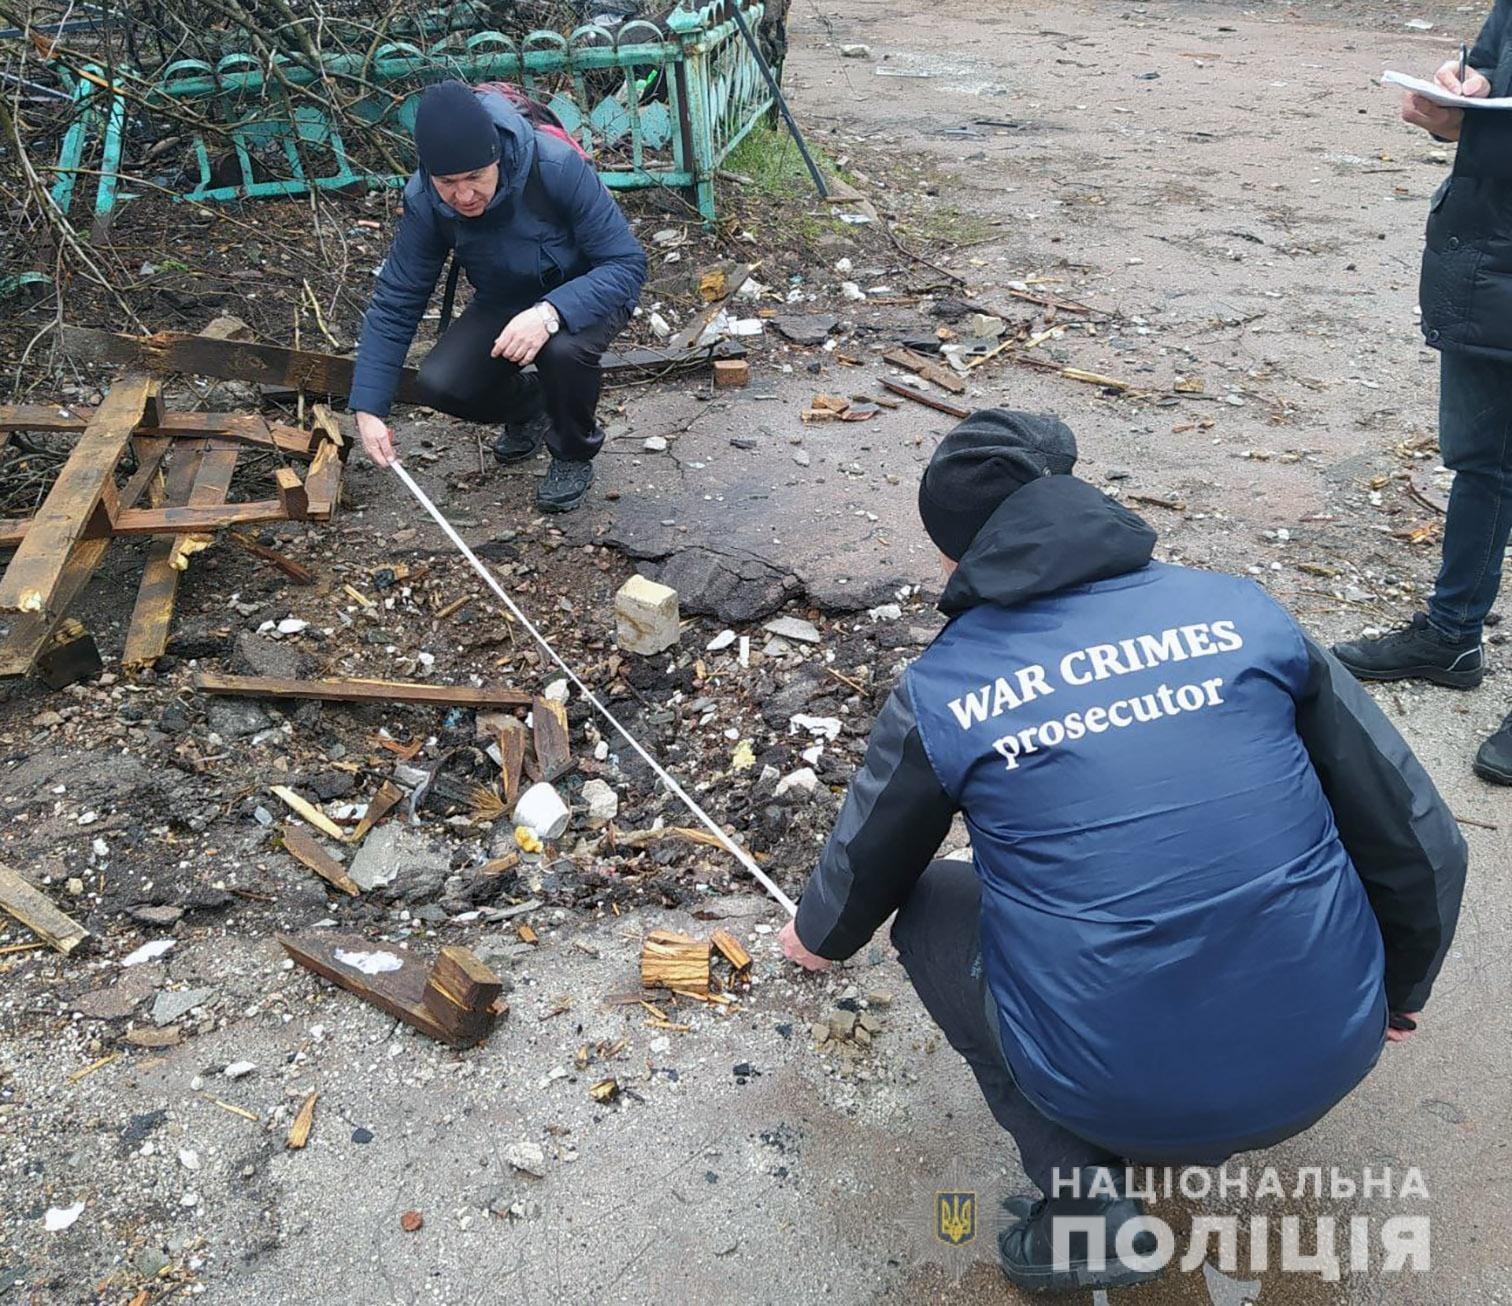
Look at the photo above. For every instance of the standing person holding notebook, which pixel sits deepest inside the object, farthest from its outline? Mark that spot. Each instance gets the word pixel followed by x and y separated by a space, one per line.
pixel 1466 297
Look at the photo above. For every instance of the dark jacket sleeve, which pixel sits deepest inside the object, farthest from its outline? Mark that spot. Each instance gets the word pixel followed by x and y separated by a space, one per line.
pixel 1399 833
pixel 617 263
pixel 404 288
pixel 1486 51
pixel 892 823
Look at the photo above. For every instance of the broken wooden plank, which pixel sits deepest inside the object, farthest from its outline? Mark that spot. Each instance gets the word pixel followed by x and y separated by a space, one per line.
pixel 307 811
pixel 675 961
pixel 687 338
pixel 196 519
pixel 360 691
pixel 512 757
pixel 291 494
pixel 85 481
pixel 295 571
pixel 239 428
pixel 301 845
pixel 400 993
pixel 548 720
pixel 32 908
pixel 380 805
pixel 151 616
pixel 323 482
pixel 919 397
pixel 30 632
pixel 460 992
pixel 910 361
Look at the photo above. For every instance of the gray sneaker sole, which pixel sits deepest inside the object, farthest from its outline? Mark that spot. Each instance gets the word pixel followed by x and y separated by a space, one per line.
pixel 1435 675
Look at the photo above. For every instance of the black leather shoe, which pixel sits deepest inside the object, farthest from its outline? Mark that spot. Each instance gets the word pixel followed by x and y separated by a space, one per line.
pixel 1494 760
pixel 1027 1247
pixel 1415 652
pixel 565 486
pixel 521 440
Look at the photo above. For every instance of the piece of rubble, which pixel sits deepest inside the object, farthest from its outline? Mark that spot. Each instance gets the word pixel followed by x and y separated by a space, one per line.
pixel 803 781
pixel 59 1218
pixel 842 1024
pixel 984 326
pixel 526 1157
pixel 671 960
pixel 239 1069
pixel 603 803
pixel 855 52
pixel 169 1007
pixel 646 616
pixel 805 632
pixel 723 640
pixel 731 373
pixel 148 952
pixel 821 727
pixel 655 444
pixel 805 329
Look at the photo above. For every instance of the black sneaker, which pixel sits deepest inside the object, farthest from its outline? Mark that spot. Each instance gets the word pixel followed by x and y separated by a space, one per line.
pixel 521 440
pixel 1027 1247
pixel 565 486
pixel 1494 760
pixel 1415 652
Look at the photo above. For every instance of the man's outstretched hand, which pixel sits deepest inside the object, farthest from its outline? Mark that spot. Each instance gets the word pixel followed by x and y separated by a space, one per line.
pixel 377 439
pixel 794 951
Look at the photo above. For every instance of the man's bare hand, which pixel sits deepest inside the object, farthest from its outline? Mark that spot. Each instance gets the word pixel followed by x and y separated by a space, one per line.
pixel 522 339
pixel 377 439
pixel 794 951
pixel 1439 119
pixel 1402 1035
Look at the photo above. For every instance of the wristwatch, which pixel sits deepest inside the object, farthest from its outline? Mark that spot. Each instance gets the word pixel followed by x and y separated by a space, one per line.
pixel 549 318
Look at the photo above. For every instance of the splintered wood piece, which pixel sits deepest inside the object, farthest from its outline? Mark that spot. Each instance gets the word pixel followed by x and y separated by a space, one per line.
pixel 675 961
pixel 380 805
pixel 32 908
pixel 460 992
pixel 34 576
pixel 548 720
pixel 400 992
pixel 327 424
pixel 295 571
pixel 31 632
pixel 359 691
pixel 733 951
pixel 307 812
pixel 147 635
pixel 203 517
pixel 299 1131
pixel 919 397
pixel 512 751
pixel 302 846
pixel 291 493
pixel 323 482
pixel 239 428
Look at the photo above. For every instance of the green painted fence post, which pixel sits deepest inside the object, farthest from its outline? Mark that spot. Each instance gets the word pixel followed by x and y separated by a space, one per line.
pixel 692 32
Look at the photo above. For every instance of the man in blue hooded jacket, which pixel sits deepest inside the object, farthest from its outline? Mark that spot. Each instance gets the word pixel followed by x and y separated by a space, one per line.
pixel 1209 877
pixel 557 272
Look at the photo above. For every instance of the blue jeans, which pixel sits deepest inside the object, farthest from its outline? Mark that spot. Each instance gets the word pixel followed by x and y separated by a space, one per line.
pixel 1475 438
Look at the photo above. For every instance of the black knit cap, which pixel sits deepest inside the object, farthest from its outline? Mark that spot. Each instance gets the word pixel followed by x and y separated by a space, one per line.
pixel 979 464
pixel 453 132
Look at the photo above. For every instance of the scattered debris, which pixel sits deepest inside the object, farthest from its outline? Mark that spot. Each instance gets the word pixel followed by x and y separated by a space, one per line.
pixel 542 812
pixel 299 1131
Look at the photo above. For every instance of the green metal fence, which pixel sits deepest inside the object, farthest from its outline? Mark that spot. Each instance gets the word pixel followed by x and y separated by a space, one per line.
pixel 654 104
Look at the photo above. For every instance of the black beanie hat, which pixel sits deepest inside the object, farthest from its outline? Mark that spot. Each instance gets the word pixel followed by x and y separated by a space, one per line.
pixel 453 132
pixel 979 464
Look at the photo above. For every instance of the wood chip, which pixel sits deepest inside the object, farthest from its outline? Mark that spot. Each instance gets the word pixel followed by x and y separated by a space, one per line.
pixel 308 812
pixel 302 846
pixel 299 1131
pixel 31 907
pixel 94 1066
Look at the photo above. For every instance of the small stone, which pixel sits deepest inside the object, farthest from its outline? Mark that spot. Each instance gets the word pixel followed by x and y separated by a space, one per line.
pixel 802 781
pixel 75 887
pixel 720 641
pixel 820 1030
pixel 527 1158
pixel 869 1023
pixel 655 444
pixel 855 52
pixel 603 803
pixel 805 632
pixel 985 326
pixel 239 1069
pixel 189 1159
pixel 46 720
pixel 646 616
pixel 801 457
pixel 880 998
pixel 411 1221
pixel 169 1007
pixel 842 1024
pixel 163 916
pixel 149 1262
pixel 361 1135
pixel 189 1199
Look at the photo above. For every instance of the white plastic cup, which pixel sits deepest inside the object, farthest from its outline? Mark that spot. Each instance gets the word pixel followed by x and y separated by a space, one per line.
pixel 542 811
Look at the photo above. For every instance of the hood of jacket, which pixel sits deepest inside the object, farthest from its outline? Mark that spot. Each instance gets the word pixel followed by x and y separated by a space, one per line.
pixel 517 151
pixel 1054 533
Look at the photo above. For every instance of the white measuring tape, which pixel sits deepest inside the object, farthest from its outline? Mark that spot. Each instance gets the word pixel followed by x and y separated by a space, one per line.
pixel 733 848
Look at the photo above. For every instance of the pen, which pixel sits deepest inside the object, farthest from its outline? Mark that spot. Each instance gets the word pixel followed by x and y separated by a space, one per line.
pixel 1464 55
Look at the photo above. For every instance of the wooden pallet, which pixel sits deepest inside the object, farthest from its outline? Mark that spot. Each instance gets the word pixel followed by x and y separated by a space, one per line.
pixel 185 463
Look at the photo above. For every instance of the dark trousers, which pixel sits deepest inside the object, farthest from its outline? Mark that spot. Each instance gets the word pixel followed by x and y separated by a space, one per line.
pixel 1475 438
pixel 460 377
pixel 937 934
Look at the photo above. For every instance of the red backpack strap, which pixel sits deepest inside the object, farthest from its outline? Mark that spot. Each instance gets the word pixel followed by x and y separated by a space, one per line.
pixel 538 115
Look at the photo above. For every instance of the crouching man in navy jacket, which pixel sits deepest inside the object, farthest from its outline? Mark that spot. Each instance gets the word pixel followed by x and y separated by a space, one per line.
pixel 557 272
pixel 1209 878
